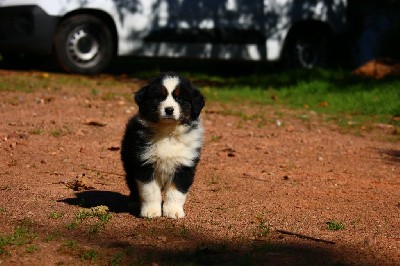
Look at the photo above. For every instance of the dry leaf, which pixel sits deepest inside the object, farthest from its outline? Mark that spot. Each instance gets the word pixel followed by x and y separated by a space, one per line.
pixel 79 184
pixel 323 104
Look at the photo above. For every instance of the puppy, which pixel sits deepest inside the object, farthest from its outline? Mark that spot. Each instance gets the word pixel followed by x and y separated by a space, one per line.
pixel 161 146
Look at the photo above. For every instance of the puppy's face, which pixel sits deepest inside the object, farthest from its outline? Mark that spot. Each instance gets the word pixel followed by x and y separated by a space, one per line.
pixel 169 98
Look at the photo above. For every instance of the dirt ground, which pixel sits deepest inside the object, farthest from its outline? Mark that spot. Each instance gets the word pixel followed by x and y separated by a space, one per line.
pixel 265 191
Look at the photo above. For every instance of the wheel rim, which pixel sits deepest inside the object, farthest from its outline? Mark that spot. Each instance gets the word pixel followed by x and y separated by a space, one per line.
pixel 305 52
pixel 83 47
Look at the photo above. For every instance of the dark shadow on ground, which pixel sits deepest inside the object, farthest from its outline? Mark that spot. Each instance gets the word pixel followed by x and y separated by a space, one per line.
pixel 391 154
pixel 165 241
pixel 169 242
pixel 116 202
pixel 266 253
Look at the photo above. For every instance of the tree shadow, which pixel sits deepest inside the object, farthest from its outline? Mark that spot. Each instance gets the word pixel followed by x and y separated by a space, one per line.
pixel 189 247
pixel 116 202
pixel 264 253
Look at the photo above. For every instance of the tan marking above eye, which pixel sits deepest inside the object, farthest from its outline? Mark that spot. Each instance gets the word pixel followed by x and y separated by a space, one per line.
pixel 177 91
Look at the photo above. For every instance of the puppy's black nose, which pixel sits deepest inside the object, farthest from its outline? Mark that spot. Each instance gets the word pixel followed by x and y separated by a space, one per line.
pixel 169 110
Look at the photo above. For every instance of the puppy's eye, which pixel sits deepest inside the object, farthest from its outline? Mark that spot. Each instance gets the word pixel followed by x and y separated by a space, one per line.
pixel 177 91
pixel 164 91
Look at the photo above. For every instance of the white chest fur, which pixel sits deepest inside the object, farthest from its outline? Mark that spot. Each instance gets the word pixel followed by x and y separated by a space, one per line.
pixel 173 146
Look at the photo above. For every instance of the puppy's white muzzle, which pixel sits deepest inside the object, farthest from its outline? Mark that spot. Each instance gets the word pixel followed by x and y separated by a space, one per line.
pixel 170 109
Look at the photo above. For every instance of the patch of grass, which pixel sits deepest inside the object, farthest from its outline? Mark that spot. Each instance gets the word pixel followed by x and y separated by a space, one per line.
pixel 56 215
pixel 52 236
pixel 32 249
pixel 72 248
pixel 36 131
pixel 334 225
pixel 30 82
pixel 117 259
pixel 263 228
pixel 97 217
pixel 56 133
pixel 184 232
pixel 95 92
pixel 89 255
pixel 215 138
pixel 110 96
pixel 18 83
pixel 70 244
pixel 22 235
pixel 333 92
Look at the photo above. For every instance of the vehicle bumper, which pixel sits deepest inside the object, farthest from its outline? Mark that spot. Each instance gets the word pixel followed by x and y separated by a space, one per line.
pixel 26 29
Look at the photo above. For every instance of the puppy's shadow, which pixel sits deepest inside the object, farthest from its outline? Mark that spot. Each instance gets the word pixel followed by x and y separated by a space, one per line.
pixel 116 202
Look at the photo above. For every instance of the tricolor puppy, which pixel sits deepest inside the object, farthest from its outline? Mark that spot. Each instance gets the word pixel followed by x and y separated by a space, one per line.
pixel 161 146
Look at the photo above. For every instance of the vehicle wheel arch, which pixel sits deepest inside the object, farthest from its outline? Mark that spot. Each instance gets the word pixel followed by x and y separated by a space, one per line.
pixel 312 27
pixel 104 16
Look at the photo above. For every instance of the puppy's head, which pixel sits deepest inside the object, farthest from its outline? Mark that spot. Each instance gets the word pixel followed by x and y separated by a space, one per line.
pixel 169 98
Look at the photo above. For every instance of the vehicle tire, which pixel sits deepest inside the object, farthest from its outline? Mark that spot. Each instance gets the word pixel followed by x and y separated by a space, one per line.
pixel 83 44
pixel 307 49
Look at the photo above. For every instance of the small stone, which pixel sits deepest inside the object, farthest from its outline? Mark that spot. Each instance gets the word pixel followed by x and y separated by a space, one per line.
pixel 162 238
pixel 290 128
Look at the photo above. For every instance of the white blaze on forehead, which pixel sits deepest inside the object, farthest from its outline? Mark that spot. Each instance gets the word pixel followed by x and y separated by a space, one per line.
pixel 170 84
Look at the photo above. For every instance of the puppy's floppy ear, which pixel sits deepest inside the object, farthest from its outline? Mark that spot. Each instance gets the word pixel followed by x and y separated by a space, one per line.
pixel 198 103
pixel 140 95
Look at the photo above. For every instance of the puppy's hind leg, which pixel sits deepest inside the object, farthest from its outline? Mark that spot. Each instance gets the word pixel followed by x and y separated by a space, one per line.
pixel 134 200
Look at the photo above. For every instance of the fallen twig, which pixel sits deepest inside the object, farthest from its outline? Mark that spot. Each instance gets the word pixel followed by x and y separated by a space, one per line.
pixel 305 237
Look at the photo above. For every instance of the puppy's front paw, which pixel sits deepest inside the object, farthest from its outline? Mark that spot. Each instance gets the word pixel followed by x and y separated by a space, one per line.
pixel 150 210
pixel 173 211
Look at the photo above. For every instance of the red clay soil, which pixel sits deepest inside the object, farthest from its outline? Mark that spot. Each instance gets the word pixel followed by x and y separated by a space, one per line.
pixel 263 194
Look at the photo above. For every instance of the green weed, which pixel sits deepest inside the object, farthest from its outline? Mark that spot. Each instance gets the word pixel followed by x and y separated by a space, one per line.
pixel 70 244
pixel 32 249
pixel 95 92
pixel 36 131
pixel 97 218
pixel 334 226
pixel 22 235
pixel 56 215
pixel 56 133
pixel 52 236
pixel 89 255
pixel 184 232
pixel 263 228
pixel 215 138
pixel 117 259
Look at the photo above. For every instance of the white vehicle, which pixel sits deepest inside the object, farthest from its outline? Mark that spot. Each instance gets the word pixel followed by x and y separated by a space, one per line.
pixel 85 35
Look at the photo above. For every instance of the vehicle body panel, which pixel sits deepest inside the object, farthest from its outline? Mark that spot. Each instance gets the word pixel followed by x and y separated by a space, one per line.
pixel 225 29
